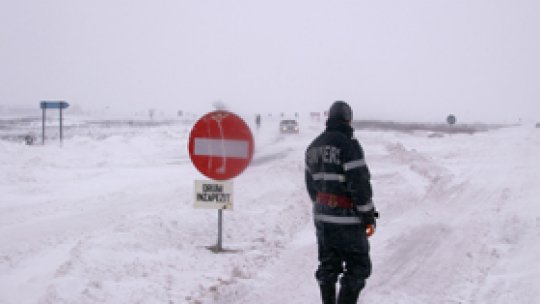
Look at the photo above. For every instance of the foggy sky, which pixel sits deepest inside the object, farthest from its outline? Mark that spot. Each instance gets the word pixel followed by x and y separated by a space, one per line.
pixel 409 60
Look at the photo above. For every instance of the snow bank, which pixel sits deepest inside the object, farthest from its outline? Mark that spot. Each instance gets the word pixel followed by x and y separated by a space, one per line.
pixel 110 219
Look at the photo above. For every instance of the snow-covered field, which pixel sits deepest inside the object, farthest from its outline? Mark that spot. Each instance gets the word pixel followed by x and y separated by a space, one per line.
pixel 110 219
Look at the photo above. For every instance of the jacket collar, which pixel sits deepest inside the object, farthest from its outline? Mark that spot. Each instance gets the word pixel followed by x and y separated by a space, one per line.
pixel 339 126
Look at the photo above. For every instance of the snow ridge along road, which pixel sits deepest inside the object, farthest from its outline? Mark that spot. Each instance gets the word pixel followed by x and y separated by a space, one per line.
pixel 110 220
pixel 459 225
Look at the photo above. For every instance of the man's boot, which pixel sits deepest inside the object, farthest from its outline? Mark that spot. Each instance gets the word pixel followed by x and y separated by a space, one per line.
pixel 348 294
pixel 328 293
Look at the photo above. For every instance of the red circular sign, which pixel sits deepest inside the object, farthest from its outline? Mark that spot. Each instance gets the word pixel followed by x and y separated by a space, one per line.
pixel 220 145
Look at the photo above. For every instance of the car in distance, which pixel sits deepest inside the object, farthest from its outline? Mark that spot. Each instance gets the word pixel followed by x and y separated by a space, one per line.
pixel 289 126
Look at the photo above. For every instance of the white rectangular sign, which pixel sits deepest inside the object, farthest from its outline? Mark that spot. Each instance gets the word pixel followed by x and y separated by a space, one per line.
pixel 221 147
pixel 211 194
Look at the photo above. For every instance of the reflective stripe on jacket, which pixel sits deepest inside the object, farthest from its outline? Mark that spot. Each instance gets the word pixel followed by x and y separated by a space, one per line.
pixel 335 164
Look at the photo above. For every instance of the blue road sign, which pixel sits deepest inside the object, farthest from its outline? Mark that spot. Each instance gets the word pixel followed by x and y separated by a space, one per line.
pixel 54 104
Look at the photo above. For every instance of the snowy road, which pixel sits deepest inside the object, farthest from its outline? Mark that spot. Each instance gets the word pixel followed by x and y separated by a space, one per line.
pixel 111 221
pixel 460 225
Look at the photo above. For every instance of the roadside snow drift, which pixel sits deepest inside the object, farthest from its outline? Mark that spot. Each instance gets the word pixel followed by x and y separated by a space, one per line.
pixel 111 220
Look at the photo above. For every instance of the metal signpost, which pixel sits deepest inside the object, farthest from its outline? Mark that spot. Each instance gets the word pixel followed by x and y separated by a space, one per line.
pixel 51 105
pixel 220 146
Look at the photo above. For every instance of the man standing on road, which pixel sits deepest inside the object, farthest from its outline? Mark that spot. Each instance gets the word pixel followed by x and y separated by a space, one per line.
pixel 338 182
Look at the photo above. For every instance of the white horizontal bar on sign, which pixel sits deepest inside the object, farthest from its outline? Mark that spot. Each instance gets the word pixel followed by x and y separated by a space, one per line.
pixel 221 147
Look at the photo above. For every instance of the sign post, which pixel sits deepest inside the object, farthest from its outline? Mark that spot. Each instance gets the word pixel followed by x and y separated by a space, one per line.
pixel 215 195
pixel 42 125
pixel 220 146
pixel 61 127
pixel 52 105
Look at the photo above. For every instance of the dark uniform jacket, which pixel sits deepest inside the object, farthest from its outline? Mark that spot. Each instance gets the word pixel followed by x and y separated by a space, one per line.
pixel 335 165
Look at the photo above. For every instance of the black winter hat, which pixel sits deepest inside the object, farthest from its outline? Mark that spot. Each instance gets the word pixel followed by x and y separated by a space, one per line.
pixel 340 110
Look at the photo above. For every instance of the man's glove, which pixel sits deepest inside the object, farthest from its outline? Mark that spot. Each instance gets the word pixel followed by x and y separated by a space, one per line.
pixel 370 230
pixel 368 218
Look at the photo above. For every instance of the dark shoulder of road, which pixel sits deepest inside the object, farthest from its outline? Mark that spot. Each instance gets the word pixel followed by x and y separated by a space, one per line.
pixel 430 127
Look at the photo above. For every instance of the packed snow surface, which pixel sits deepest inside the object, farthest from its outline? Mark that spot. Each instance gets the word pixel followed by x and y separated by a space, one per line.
pixel 110 219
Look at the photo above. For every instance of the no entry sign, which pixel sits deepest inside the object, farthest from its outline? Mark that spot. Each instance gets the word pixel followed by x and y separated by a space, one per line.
pixel 220 145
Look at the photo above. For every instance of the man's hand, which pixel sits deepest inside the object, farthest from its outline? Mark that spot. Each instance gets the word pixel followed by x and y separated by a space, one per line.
pixel 368 218
pixel 370 230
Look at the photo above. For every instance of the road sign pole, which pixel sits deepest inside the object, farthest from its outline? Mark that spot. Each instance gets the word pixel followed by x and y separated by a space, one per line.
pixel 43 127
pixel 52 105
pixel 220 146
pixel 60 126
pixel 219 245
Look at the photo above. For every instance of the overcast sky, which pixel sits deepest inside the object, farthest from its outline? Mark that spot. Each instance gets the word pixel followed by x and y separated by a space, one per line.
pixel 408 59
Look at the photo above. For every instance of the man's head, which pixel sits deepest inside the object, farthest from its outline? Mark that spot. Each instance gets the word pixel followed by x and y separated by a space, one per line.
pixel 340 110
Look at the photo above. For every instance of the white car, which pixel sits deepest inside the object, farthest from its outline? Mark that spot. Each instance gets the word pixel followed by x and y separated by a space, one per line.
pixel 289 126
